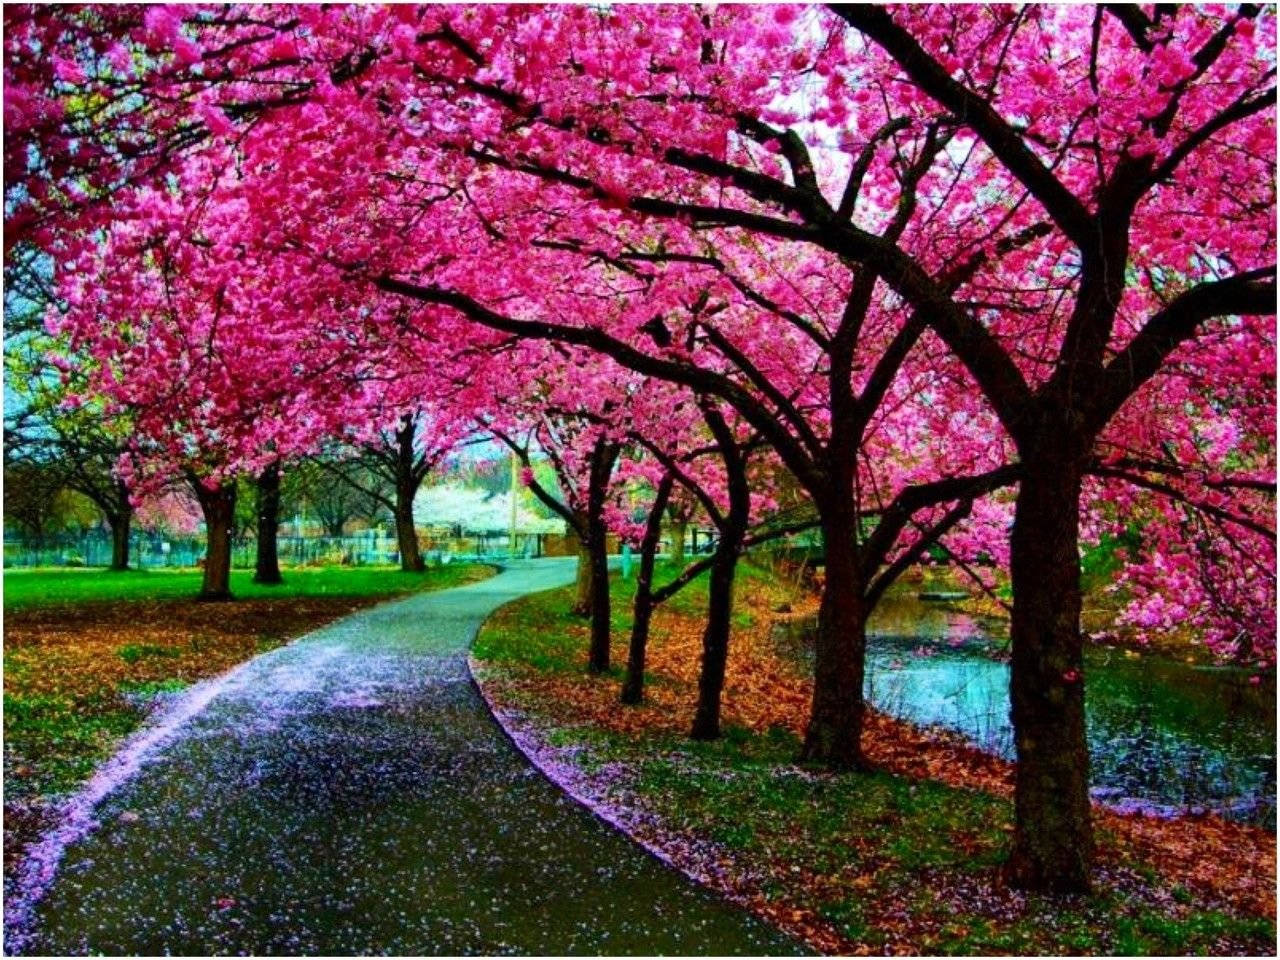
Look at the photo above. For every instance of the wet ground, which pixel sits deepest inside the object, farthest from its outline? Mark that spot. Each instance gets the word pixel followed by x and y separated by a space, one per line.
pixel 349 794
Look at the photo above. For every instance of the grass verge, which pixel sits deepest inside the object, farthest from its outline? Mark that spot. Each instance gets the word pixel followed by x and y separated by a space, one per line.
pixel 902 860
pixel 43 587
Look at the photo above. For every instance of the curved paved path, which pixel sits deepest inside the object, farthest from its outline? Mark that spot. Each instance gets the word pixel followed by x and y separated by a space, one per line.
pixel 349 794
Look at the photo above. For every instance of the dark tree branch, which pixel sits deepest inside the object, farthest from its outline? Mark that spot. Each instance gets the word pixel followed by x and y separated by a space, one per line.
pixel 862 163
pixel 698 379
pixel 539 491
pixel 1165 490
pixel 911 499
pixel 1252 293
pixel 927 538
pixel 1135 22
pixel 1070 214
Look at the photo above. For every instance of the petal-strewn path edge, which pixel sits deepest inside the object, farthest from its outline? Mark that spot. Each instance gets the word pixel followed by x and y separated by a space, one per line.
pixel 74 817
pixel 700 860
pixel 350 794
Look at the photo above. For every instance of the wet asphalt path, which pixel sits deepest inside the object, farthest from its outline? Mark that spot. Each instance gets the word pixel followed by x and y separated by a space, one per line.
pixel 350 794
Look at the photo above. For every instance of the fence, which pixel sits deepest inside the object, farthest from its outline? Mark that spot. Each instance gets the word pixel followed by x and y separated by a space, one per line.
pixel 363 549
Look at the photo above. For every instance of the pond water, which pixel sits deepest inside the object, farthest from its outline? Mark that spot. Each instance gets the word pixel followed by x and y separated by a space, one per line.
pixel 1164 737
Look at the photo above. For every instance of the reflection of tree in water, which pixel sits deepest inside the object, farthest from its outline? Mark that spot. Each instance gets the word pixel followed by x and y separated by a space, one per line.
pixel 963 692
pixel 1164 736
pixel 1222 762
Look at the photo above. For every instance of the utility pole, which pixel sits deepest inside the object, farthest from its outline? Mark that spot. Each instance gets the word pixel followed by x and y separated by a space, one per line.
pixel 515 489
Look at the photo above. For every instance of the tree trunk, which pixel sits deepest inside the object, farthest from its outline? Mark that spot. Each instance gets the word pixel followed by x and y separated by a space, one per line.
pixel 834 735
pixel 732 527
pixel 267 565
pixel 598 548
pixel 219 508
pixel 410 471
pixel 120 522
pixel 679 531
pixel 715 637
pixel 603 457
pixel 1053 835
pixel 406 533
pixel 582 584
pixel 642 610
pixel 641 614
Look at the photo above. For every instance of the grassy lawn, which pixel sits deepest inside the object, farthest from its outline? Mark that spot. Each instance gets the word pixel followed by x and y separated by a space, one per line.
pixel 24 589
pixel 89 654
pixel 904 859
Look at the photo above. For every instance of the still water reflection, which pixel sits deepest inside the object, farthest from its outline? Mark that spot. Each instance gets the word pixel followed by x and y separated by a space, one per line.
pixel 1165 737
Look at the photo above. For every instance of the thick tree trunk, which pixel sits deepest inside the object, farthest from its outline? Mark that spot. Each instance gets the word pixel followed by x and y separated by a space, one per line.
pixel 679 533
pixel 406 533
pixel 594 534
pixel 267 564
pixel 1053 835
pixel 121 522
pixel 219 507
pixel 598 547
pixel 642 609
pixel 582 584
pixel 715 637
pixel 409 474
pixel 637 649
pixel 834 735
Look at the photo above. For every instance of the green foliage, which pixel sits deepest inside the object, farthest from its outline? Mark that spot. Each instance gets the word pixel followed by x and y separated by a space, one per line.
pixel 333 492
pixel 1100 562
pixel 37 503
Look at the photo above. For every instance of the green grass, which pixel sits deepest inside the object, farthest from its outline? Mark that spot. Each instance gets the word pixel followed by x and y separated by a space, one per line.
pixel 547 636
pixel 133 652
pixel 65 739
pixel 884 844
pixel 60 722
pixel 540 637
pixel 150 688
pixel 746 791
pixel 25 589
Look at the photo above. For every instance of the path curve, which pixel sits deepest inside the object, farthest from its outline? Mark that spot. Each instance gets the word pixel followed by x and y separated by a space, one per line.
pixel 350 794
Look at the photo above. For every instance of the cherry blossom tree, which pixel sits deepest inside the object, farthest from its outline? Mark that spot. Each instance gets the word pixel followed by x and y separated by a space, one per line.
pixel 584 454
pixel 180 343
pixel 1138 120
pixel 1063 197
pixel 1103 335
pixel 1187 479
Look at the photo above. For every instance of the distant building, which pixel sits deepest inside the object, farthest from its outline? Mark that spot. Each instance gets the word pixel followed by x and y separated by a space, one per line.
pixel 455 509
